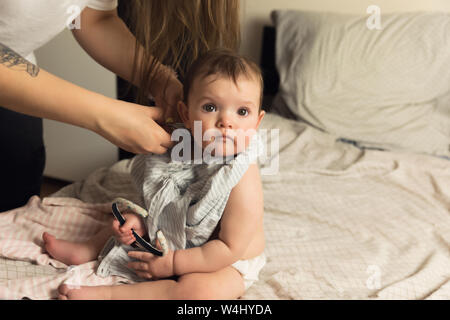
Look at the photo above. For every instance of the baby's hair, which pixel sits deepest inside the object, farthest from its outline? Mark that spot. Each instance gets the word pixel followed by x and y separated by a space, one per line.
pixel 226 63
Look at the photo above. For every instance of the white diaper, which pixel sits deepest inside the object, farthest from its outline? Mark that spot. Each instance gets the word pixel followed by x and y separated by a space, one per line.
pixel 249 269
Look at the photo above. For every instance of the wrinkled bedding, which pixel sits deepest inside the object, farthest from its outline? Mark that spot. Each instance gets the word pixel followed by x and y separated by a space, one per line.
pixel 340 222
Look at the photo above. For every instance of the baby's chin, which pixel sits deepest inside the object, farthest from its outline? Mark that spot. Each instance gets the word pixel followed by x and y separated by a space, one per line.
pixel 223 148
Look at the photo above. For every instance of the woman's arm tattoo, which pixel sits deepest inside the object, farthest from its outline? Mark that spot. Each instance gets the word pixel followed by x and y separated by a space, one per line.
pixel 13 60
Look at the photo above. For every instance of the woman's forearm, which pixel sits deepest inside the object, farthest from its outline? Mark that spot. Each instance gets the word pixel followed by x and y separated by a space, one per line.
pixel 47 96
pixel 106 38
pixel 26 89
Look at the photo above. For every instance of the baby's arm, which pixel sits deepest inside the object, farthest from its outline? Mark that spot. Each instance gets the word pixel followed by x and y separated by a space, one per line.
pixel 244 210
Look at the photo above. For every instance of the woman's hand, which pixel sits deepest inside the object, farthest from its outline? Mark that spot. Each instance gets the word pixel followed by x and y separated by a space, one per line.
pixel 123 233
pixel 151 266
pixel 133 127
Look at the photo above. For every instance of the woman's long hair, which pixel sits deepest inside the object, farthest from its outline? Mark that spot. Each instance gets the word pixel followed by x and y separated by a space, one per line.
pixel 176 32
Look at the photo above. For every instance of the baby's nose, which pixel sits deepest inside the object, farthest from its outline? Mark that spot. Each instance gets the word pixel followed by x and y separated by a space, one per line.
pixel 225 122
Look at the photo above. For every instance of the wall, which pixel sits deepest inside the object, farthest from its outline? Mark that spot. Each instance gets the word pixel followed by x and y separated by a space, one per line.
pixel 256 13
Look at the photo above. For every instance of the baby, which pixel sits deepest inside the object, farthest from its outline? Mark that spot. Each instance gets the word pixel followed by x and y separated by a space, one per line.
pixel 211 214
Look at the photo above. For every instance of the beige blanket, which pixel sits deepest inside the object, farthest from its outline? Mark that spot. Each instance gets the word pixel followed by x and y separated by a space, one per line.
pixel 340 222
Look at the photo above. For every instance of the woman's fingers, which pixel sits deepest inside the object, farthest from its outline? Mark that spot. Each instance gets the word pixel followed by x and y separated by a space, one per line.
pixel 164 138
pixel 134 128
pixel 161 138
pixel 160 150
pixel 157 114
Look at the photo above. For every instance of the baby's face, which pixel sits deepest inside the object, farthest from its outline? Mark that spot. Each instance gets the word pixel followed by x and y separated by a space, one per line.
pixel 228 111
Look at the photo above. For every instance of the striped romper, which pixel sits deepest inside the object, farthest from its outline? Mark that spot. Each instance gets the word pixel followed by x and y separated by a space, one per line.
pixel 185 201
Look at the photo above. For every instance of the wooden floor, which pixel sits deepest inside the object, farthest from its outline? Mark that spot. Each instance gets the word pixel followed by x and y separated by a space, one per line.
pixel 50 185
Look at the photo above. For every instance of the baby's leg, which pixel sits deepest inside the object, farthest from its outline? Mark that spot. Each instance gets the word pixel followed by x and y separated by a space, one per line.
pixel 75 253
pixel 223 284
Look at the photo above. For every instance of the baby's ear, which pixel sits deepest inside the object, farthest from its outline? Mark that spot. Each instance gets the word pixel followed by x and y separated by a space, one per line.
pixel 260 117
pixel 183 112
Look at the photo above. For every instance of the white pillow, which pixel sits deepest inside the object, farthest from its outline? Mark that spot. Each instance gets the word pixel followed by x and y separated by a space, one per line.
pixel 387 88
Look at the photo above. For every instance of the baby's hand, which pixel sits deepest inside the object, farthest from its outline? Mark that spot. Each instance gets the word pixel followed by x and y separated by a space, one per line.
pixel 123 233
pixel 150 266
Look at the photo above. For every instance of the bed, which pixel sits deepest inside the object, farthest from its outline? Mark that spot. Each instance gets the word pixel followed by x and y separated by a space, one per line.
pixel 356 176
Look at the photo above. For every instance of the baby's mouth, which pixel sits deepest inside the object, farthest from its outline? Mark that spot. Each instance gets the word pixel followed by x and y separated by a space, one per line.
pixel 224 138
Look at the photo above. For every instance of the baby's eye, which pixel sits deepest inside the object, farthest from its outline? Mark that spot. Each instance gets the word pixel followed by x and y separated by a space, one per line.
pixel 209 107
pixel 243 112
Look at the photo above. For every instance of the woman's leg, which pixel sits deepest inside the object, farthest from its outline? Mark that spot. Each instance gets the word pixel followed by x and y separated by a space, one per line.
pixel 75 253
pixel 22 158
pixel 223 284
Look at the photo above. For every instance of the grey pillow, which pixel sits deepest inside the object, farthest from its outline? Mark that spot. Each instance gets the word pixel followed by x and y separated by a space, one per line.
pixel 387 88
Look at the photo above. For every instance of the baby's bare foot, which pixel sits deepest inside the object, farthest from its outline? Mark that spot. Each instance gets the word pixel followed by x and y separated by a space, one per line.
pixel 70 253
pixel 67 292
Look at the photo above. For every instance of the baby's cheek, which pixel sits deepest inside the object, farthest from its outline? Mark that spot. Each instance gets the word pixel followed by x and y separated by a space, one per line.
pixel 242 142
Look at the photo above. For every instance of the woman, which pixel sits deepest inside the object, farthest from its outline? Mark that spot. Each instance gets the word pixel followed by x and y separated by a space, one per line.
pixel 169 34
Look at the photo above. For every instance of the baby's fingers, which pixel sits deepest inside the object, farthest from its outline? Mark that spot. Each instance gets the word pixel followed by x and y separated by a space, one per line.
pixel 144 275
pixel 119 231
pixel 127 239
pixel 126 228
pixel 139 266
pixel 115 228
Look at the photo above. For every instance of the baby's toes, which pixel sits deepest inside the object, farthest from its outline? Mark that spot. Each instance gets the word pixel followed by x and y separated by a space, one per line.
pixel 63 290
pixel 62 297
